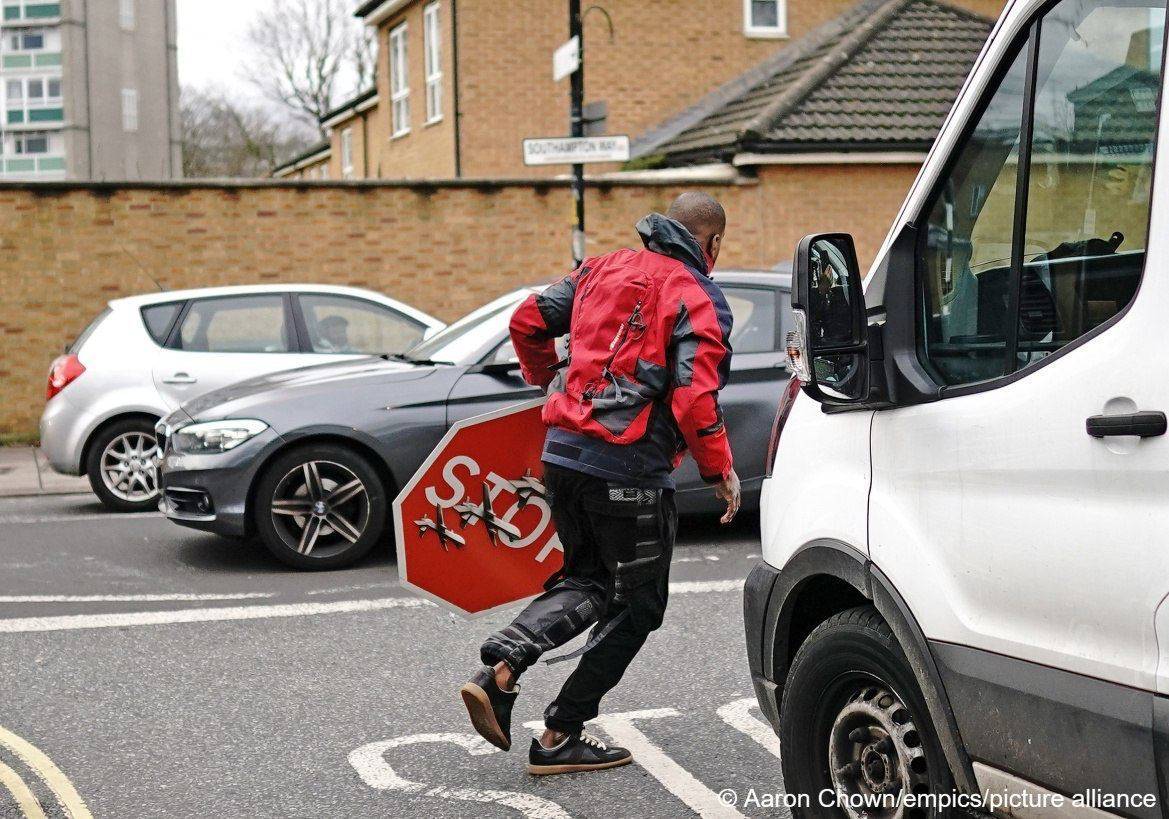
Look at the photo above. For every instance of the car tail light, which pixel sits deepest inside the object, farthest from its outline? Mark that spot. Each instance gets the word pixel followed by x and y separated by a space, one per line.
pixel 63 373
pixel 786 401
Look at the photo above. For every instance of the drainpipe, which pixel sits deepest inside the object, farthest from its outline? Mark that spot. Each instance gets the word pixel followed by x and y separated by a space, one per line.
pixel 455 83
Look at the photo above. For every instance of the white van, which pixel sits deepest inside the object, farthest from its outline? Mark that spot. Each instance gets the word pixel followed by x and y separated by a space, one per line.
pixel 966 531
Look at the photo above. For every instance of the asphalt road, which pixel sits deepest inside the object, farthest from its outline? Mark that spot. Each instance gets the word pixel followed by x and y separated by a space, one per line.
pixel 153 671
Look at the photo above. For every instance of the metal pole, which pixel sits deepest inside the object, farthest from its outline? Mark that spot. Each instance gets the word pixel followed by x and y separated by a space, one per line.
pixel 576 96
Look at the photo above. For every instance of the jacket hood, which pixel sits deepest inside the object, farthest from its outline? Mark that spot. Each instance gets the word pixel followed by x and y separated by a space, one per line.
pixel 664 235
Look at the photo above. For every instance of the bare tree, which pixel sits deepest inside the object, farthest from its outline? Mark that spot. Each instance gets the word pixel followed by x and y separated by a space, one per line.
pixel 304 50
pixel 226 138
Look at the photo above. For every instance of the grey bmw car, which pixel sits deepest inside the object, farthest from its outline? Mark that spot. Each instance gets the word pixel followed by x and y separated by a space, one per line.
pixel 309 460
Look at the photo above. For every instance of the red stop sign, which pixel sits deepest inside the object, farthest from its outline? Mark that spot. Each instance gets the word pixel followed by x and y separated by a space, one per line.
pixel 474 529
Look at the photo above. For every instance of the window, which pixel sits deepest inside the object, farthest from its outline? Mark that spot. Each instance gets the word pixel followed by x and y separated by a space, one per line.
pixel 32 39
pixel 753 310
pixel 36 90
pixel 347 153
pixel 346 325
pixel 323 171
pixel 399 82
pixel 994 301
pixel 31 143
pixel 240 324
pixel 765 18
pixel 432 39
pixel 129 109
pixel 158 319
pixel 15 90
pixel 126 14
pixel 54 86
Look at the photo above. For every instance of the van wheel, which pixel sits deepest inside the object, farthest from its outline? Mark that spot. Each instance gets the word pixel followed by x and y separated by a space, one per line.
pixel 120 466
pixel 854 723
pixel 321 506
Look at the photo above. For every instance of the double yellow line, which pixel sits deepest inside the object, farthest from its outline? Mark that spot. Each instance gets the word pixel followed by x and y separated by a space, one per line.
pixel 56 781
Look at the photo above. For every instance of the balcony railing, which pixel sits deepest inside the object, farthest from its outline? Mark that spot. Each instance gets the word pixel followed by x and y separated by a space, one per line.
pixel 33 11
pixel 45 115
pixel 31 166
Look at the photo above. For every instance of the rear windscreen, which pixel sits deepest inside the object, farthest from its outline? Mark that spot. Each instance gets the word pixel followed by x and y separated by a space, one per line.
pixel 158 319
pixel 87 332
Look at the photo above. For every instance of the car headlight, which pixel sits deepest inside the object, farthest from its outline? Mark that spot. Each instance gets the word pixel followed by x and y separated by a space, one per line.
pixel 215 436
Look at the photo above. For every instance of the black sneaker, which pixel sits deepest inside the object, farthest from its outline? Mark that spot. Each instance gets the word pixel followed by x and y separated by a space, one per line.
pixel 578 752
pixel 490 707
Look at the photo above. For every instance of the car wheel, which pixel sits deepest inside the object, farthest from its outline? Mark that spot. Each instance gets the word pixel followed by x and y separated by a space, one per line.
pixel 321 506
pixel 120 466
pixel 853 722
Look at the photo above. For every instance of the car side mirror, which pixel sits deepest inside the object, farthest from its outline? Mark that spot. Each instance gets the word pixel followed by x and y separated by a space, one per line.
pixel 499 368
pixel 828 348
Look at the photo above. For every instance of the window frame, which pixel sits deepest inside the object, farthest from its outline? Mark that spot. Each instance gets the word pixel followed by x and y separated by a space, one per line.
pixel 399 67
pixel 305 344
pixel 432 61
pixel 778 31
pixel 130 119
pixel 180 313
pixel 294 341
pixel 1026 37
pixel 347 153
pixel 127 15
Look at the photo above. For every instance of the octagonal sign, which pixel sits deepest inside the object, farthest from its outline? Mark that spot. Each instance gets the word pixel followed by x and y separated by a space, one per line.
pixel 474 529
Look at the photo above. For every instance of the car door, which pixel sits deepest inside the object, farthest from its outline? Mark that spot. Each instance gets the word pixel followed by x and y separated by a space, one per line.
pixel 344 326
pixel 1032 551
pixel 758 367
pixel 220 340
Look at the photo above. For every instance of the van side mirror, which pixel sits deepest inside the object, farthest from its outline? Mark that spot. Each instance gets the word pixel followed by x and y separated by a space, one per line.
pixel 828 349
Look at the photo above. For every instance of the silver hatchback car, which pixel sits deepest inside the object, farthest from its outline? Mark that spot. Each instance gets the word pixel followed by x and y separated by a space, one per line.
pixel 145 355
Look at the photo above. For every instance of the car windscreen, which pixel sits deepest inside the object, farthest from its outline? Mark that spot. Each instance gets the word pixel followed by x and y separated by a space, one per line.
pixel 460 342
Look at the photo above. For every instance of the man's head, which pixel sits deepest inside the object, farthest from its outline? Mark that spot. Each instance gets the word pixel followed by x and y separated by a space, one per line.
pixel 335 330
pixel 702 215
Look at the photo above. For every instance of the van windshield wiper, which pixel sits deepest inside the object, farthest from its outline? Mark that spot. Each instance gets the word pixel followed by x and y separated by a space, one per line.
pixel 422 362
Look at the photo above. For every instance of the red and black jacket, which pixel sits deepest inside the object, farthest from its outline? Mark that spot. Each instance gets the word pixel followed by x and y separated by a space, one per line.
pixel 649 349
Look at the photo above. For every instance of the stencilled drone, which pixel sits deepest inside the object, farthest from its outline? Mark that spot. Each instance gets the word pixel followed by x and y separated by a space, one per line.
pixel 470 513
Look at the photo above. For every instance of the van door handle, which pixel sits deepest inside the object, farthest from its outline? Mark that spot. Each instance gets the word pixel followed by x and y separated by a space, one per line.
pixel 1147 424
pixel 180 378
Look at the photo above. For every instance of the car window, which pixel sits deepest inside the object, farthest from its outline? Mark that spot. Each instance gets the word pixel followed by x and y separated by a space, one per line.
pixel 237 324
pixel 344 324
pixel 158 319
pixel 993 302
pixel 753 310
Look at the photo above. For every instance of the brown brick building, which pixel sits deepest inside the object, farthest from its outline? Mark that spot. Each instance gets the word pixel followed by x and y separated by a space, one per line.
pixel 460 83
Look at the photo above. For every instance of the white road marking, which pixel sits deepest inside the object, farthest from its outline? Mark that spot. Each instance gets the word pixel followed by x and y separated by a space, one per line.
pixel 673 777
pixel 695 559
pixel 26 800
pixel 129 598
pixel 738 715
pixel 370 764
pixel 705 586
pixel 154 618
pixel 28 519
pixel 70 800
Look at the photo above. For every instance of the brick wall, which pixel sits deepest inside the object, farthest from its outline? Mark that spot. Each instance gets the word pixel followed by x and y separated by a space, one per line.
pixel 447 247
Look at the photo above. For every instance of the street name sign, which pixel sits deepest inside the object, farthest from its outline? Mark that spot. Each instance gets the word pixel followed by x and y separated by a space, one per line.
pixel 576 150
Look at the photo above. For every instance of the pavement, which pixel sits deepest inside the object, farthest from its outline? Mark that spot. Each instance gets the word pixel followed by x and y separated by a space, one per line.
pixel 153 671
pixel 24 470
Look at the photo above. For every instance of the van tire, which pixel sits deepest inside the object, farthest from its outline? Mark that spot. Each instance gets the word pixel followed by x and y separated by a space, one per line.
pixel 851 694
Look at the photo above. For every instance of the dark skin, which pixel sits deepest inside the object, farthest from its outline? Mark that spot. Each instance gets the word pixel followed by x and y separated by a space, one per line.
pixel 702 215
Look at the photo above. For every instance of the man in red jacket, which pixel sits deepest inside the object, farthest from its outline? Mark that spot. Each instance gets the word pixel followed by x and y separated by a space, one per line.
pixel 648 352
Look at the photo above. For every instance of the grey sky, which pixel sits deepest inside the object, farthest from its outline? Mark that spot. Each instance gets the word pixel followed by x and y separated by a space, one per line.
pixel 211 41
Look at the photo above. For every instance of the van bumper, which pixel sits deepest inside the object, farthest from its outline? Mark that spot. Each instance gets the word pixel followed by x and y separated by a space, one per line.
pixel 756 596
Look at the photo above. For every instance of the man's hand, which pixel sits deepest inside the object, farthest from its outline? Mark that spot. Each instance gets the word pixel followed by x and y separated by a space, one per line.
pixel 729 491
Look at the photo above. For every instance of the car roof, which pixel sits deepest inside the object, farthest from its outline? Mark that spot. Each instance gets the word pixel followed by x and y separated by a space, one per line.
pixel 162 297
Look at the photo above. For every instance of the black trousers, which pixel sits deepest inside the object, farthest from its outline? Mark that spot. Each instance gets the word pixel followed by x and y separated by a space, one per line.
pixel 618 542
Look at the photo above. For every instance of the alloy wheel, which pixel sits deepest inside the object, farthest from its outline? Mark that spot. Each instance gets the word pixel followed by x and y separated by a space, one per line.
pixel 128 470
pixel 875 755
pixel 320 508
